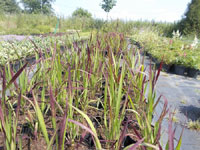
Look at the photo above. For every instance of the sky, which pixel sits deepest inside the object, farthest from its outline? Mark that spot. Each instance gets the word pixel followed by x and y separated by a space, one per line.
pixel 157 10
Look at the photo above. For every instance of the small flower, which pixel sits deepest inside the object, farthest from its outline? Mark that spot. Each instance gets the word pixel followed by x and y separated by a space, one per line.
pixel 182 47
pixel 176 35
pixel 195 43
pixel 192 46
pixel 170 41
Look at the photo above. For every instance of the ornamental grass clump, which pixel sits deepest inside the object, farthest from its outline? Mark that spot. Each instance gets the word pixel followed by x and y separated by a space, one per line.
pixel 93 94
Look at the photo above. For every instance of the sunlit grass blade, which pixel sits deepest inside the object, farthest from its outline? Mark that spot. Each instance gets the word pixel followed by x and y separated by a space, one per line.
pixel 49 146
pixel 82 126
pixel 41 119
pixel 178 147
pixel 98 144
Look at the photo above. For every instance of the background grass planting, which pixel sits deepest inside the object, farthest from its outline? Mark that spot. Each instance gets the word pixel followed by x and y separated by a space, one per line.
pixel 80 94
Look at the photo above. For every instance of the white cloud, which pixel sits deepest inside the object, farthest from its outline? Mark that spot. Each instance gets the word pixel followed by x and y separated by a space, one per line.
pixel 168 16
pixel 150 0
pixel 56 9
pixel 127 10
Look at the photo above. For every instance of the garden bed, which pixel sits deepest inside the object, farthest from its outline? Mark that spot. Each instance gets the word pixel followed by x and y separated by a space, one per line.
pixel 90 95
pixel 177 69
pixel 178 56
pixel 14 48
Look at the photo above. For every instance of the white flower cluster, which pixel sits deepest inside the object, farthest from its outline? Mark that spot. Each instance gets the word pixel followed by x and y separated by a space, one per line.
pixel 176 34
pixel 15 50
pixel 194 44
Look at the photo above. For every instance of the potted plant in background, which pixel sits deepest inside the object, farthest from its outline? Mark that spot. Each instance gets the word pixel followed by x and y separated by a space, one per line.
pixel 193 65
pixel 179 67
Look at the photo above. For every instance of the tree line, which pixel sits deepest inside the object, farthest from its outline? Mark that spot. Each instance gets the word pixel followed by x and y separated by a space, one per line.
pixel 27 6
pixel 189 24
pixel 44 6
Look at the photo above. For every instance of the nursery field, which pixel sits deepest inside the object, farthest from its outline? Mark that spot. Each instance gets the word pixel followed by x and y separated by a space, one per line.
pixel 86 91
pixel 94 90
pixel 78 82
pixel 178 54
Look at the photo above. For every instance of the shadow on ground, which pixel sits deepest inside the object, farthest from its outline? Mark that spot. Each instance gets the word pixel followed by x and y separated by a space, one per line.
pixel 191 112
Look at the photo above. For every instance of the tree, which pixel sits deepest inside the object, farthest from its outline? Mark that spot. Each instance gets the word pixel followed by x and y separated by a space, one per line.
pixel 107 5
pixel 80 12
pixel 9 6
pixel 38 6
pixel 190 23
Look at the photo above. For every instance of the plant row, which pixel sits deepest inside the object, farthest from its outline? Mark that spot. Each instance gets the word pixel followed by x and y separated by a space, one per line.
pixel 15 50
pixel 91 95
pixel 172 51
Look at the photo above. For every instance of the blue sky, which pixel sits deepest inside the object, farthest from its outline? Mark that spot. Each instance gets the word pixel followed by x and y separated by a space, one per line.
pixel 158 10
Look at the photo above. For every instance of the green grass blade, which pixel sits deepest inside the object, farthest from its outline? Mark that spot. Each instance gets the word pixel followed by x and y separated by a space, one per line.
pixel 41 120
pixel 98 144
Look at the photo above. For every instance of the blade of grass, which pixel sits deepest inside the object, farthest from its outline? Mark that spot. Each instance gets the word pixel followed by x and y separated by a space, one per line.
pixel 16 76
pixel 98 144
pixel 12 73
pixel 82 126
pixel 49 146
pixel 123 133
pixel 178 147
pixel 40 119
pixel 170 133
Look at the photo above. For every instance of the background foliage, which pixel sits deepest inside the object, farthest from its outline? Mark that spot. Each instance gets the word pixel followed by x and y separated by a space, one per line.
pixel 190 24
pixel 15 19
pixel 9 6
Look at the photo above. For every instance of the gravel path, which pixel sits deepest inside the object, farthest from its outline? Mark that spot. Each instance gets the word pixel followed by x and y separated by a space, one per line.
pixel 13 37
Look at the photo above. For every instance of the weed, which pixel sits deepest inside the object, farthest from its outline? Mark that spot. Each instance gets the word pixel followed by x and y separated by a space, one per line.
pixel 194 125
